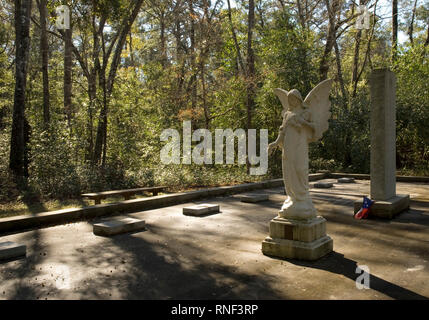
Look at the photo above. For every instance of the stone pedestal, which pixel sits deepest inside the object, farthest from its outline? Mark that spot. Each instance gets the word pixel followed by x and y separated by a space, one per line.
pixel 297 239
pixel 387 208
pixel 383 146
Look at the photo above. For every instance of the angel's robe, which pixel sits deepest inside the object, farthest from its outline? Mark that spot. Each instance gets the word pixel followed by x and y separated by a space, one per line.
pixel 295 157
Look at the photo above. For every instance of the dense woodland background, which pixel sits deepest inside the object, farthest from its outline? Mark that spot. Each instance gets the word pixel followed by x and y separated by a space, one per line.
pixel 82 110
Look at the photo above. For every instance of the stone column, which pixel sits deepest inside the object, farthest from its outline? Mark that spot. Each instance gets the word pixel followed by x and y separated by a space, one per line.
pixel 383 146
pixel 383 134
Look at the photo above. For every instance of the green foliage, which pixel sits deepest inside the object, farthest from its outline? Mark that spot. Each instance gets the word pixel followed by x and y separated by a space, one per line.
pixel 153 92
pixel 347 142
pixel 412 68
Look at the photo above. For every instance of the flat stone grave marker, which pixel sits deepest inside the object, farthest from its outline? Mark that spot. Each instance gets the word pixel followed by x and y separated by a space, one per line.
pixel 323 185
pixel 118 226
pixel 10 250
pixel 201 209
pixel 346 180
pixel 252 198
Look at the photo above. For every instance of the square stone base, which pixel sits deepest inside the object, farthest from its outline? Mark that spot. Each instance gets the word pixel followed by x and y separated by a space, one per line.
pixel 307 231
pixel 297 249
pixel 388 208
pixel 297 239
pixel 118 226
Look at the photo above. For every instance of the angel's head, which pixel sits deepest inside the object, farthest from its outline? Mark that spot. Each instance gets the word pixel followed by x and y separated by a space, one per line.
pixel 291 100
pixel 294 99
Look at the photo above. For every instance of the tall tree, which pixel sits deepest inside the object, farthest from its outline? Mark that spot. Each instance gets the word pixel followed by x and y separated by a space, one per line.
pixel 193 79
pixel 45 61
pixel 234 37
pixel 107 83
pixel 394 29
pixel 411 26
pixel 68 84
pixel 332 10
pixel 17 160
pixel 250 64
pixel 251 85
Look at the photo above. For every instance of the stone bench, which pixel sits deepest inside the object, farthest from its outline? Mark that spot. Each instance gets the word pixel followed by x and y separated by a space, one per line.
pixel 127 193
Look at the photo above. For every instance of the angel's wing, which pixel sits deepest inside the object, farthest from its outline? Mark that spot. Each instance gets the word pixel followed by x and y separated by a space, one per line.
pixel 282 94
pixel 318 102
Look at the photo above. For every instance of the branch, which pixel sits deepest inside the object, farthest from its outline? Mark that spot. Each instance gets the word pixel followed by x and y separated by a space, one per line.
pixel 220 114
pixel 127 23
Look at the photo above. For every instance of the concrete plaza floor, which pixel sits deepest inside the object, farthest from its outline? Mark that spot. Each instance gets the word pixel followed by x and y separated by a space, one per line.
pixel 219 256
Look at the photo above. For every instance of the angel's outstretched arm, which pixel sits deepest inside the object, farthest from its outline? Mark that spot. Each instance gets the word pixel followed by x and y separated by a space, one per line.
pixel 278 142
pixel 280 137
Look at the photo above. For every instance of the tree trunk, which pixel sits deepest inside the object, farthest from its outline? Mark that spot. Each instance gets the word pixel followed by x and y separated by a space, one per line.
pixel 44 50
pixel 102 120
pixel 340 71
pixel 234 37
pixel 107 83
pixel 17 162
pixel 411 27
pixel 394 29
pixel 302 18
pixel 193 80
pixel 250 103
pixel 427 37
pixel 68 75
pixel 330 39
pixel 203 84
pixel 356 62
pixel 92 92
pixel 250 65
pixel 163 40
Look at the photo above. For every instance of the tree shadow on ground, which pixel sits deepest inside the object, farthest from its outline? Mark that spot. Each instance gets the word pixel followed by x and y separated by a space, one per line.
pixel 23 269
pixel 169 267
pixel 336 263
pixel 382 233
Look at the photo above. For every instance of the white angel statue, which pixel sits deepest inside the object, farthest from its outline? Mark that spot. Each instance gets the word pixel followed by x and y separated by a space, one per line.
pixel 303 122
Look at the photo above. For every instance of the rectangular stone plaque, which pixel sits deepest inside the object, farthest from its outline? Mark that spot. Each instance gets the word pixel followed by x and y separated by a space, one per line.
pixel 10 250
pixel 323 185
pixel 253 197
pixel 201 209
pixel 118 226
pixel 288 232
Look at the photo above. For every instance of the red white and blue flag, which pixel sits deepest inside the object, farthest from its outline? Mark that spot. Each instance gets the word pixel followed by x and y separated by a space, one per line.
pixel 364 211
